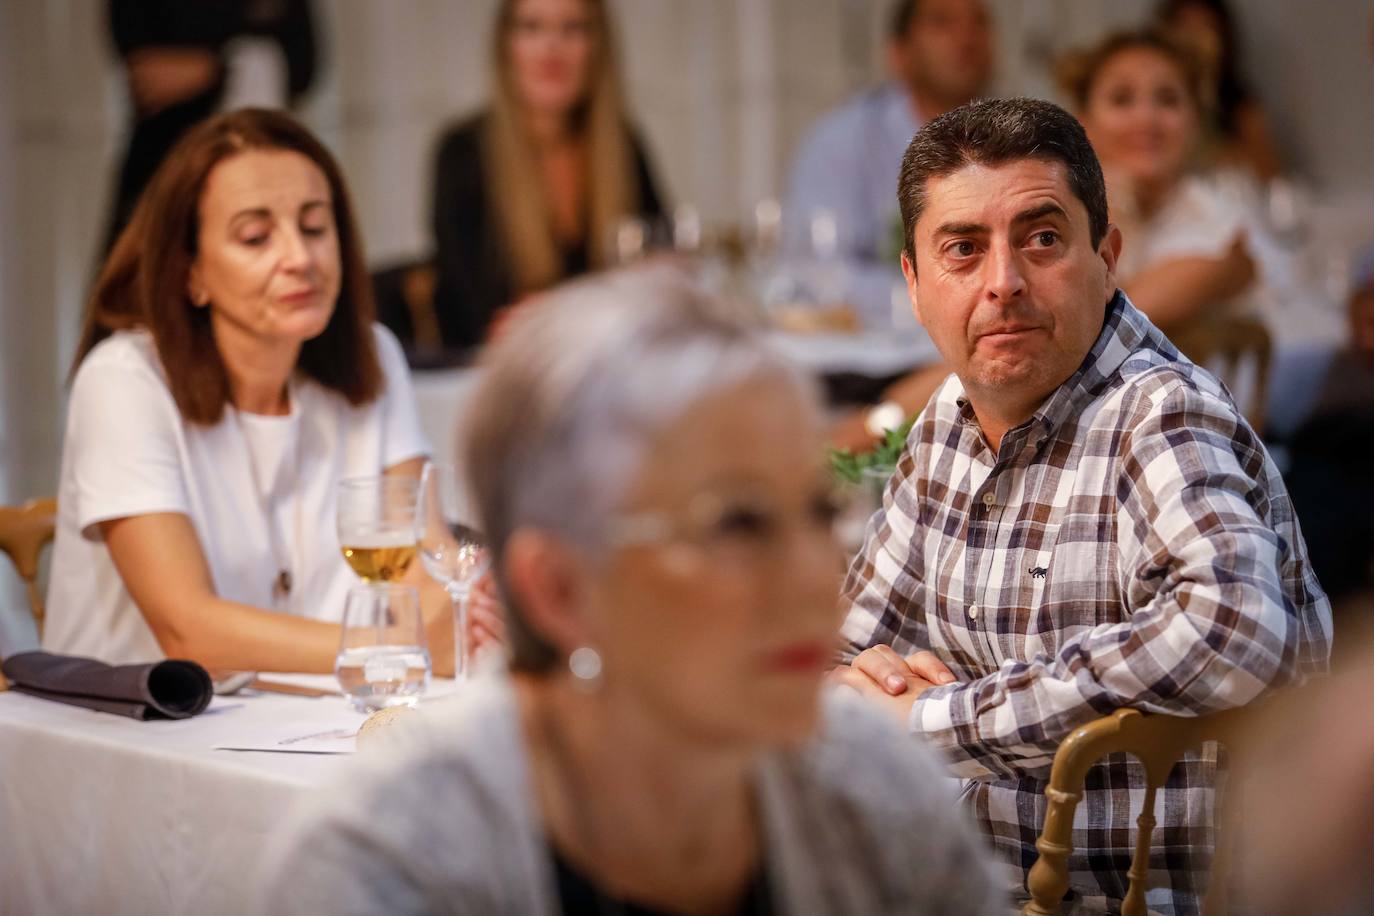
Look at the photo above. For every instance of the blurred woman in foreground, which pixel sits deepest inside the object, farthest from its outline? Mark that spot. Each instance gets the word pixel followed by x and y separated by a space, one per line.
pixel 530 191
pixel 650 478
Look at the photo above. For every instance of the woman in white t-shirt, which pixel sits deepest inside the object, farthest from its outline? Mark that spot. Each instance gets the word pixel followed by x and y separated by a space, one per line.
pixel 228 376
pixel 1185 253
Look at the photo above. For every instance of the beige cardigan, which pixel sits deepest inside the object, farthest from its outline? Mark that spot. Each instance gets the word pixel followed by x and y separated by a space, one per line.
pixel 862 821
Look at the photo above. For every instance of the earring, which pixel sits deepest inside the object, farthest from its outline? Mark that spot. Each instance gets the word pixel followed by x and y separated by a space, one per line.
pixel 585 665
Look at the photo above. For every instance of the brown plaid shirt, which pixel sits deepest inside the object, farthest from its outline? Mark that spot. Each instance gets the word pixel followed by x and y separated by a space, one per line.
pixel 1131 544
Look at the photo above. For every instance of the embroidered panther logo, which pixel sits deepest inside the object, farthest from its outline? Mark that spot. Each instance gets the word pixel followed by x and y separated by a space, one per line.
pixel 1037 572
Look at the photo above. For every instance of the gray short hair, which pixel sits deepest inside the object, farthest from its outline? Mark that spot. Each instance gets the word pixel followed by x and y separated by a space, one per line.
pixel 573 395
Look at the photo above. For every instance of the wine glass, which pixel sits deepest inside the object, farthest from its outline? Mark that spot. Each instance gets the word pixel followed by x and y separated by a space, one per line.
pixel 376 525
pixel 382 658
pixel 859 502
pixel 453 552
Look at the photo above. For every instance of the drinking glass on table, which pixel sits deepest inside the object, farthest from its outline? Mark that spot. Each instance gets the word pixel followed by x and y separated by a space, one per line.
pixel 859 501
pixel 453 552
pixel 382 657
pixel 376 525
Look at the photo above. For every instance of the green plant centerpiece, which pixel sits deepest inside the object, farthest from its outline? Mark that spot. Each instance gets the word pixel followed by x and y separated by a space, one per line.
pixel 849 467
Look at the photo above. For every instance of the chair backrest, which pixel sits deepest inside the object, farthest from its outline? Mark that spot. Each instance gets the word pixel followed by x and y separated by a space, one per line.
pixel 1239 350
pixel 1158 742
pixel 24 532
pixel 405 303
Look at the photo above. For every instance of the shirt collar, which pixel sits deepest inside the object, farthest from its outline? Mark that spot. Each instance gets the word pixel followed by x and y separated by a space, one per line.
pixel 1124 329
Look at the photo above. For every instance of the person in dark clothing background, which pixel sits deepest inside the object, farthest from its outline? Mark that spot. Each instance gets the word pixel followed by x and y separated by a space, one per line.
pixel 1329 472
pixel 174 56
pixel 1236 128
pixel 529 192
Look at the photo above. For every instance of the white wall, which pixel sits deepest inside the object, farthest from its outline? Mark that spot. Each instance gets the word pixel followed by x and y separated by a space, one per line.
pixel 721 89
pixel 11 407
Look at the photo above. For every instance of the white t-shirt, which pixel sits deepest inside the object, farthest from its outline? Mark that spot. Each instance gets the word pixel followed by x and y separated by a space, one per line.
pixel 1200 219
pixel 128 452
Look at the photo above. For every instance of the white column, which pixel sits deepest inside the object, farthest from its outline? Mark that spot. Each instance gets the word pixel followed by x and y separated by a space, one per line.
pixel 11 340
pixel 761 164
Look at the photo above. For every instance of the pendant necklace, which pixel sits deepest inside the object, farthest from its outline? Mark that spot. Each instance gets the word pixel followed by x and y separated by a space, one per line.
pixel 283 581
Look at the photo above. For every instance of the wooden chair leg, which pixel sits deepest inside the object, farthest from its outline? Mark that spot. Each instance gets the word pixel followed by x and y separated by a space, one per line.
pixel 1139 872
pixel 36 606
pixel 1048 880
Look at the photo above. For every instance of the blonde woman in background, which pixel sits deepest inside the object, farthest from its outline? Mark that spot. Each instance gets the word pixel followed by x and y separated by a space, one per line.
pixel 529 191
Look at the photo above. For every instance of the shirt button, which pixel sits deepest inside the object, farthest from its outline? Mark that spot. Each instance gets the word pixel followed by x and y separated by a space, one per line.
pixel 989 499
pixel 973 612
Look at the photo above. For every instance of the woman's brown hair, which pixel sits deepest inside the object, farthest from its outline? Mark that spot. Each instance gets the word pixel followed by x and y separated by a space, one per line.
pixel 509 157
pixel 1077 72
pixel 143 283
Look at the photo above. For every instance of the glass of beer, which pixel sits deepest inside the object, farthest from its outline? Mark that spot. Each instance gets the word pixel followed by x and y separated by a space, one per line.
pixel 376 525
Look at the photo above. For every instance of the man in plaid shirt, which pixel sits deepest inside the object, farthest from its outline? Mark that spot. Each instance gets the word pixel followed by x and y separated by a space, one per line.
pixel 1081 519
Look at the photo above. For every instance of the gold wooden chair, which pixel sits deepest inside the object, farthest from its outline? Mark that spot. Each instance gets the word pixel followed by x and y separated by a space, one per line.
pixel 1158 742
pixel 24 532
pixel 1226 345
pixel 404 296
pixel 417 289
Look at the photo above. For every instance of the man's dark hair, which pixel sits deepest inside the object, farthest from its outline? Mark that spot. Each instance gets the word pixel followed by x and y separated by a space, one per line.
pixel 995 132
pixel 903 13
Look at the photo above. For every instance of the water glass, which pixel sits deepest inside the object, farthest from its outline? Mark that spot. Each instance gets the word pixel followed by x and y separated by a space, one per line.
pixel 383 660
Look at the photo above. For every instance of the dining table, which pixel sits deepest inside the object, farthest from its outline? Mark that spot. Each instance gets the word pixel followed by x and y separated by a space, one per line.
pixel 105 814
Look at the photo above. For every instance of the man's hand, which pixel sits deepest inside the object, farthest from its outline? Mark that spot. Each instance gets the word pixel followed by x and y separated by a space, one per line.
pixel 889 671
pixel 892 682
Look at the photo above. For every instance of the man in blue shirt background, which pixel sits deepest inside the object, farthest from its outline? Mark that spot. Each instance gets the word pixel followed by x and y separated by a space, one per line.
pixel 842 201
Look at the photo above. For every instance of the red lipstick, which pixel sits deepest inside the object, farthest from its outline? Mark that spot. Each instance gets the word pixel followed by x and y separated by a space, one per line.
pixel 798 658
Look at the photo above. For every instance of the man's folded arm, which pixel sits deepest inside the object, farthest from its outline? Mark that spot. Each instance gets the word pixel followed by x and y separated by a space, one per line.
pixel 1210 627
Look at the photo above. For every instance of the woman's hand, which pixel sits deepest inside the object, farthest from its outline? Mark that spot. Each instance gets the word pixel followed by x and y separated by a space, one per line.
pixel 486 627
pixel 486 617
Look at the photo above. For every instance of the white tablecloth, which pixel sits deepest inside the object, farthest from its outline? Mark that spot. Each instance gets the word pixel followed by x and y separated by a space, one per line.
pixel 102 814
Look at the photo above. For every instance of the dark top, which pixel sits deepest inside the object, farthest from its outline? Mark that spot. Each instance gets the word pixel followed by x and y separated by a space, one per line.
pixel 207 24
pixel 474 277
pixel 579 896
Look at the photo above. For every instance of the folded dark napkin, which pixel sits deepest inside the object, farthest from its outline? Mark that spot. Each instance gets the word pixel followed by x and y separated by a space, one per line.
pixel 171 689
